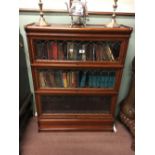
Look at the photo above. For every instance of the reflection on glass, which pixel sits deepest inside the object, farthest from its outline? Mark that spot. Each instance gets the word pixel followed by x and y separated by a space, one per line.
pixel 76 78
pixel 75 104
pixel 78 50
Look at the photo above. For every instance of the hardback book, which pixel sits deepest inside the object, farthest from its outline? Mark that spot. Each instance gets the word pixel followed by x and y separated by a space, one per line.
pixel 73 79
pixel 47 77
pixel 94 80
pixel 58 78
pixel 52 79
pixel 39 49
pixel 83 52
pixel 45 80
pixel 99 49
pixel 70 51
pixel 103 79
pixel 42 79
pixel 83 79
pixel 89 51
pixel 45 50
pixel 60 50
pixel 49 50
pixel 54 50
pixel 98 79
pixel 68 79
pixel 79 50
pixel 106 79
pixel 111 78
pixel 94 52
pixel 109 52
pixel 64 79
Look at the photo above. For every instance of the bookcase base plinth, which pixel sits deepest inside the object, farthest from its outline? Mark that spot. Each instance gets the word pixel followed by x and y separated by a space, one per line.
pixel 75 125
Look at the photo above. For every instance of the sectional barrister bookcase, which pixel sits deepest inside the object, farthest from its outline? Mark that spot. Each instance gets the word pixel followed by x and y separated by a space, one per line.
pixel 76 75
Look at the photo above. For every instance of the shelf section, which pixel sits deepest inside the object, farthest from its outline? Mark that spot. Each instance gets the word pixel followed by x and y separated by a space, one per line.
pixel 70 64
pixel 76 91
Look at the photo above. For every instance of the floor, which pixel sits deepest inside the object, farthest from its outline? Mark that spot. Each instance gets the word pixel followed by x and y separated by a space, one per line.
pixel 76 143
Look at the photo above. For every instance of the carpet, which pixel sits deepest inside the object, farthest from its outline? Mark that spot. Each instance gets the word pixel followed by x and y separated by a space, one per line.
pixel 75 143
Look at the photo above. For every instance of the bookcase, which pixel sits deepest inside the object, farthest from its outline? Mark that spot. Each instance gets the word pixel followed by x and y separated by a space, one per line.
pixel 76 75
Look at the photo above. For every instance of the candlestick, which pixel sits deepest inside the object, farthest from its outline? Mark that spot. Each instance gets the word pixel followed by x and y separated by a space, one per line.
pixel 42 21
pixel 113 23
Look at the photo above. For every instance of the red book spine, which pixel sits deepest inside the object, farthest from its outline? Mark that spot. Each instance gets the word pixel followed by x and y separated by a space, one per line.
pixel 55 50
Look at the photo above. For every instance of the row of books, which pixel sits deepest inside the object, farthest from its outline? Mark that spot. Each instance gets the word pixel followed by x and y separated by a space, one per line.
pixel 77 79
pixel 74 50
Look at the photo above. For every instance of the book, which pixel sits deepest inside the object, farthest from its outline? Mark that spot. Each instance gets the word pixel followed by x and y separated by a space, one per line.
pixel 70 50
pixel 73 79
pixel 64 79
pixel 79 50
pixel 58 78
pixel 89 51
pixel 105 56
pixel 94 80
pixel 47 78
pixel 60 51
pixel 68 79
pixel 65 50
pixel 83 79
pixel 109 52
pixel 106 79
pixel 115 46
pixel 44 50
pixel 103 80
pixel 54 50
pixel 39 49
pixel 52 79
pixel 90 79
pixel 98 79
pixel 41 79
pixel 94 52
pixel 99 49
pixel 111 79
pixel 49 50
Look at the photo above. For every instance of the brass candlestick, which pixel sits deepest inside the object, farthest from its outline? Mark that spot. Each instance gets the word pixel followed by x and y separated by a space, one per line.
pixel 42 21
pixel 113 23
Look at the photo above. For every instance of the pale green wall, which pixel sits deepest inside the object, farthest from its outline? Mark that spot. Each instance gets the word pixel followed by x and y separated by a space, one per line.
pixel 26 18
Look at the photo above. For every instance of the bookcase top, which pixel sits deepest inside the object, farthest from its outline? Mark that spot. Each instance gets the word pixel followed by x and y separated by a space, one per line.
pixel 67 28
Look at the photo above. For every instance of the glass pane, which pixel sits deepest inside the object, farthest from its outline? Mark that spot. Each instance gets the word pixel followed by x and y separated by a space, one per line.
pixel 77 50
pixel 76 78
pixel 75 104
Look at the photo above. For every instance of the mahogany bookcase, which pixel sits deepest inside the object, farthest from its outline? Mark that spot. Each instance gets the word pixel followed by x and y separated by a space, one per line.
pixel 76 75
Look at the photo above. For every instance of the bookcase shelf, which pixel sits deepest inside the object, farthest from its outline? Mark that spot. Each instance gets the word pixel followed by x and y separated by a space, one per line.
pixel 76 75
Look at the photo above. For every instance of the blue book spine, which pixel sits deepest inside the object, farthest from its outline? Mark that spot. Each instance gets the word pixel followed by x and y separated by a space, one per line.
pixel 89 79
pixel 94 79
pixel 106 79
pixel 83 79
pixel 98 79
pixel 102 79
pixel 112 79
